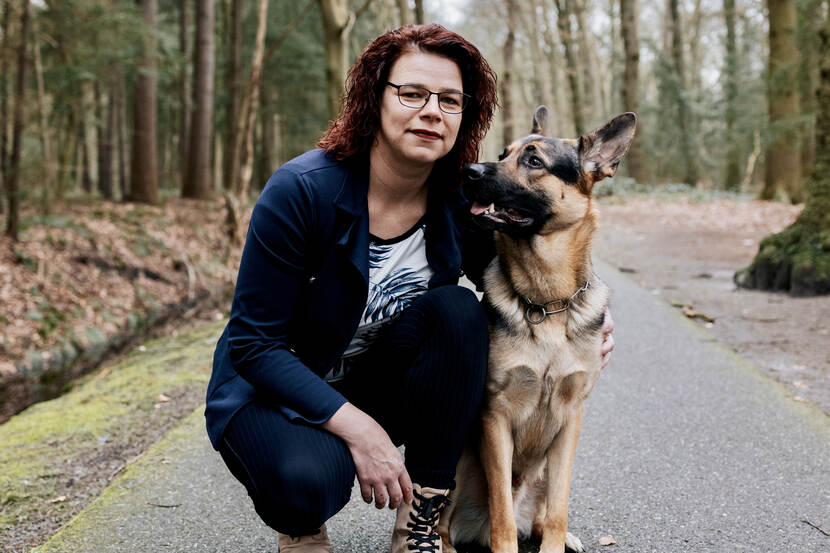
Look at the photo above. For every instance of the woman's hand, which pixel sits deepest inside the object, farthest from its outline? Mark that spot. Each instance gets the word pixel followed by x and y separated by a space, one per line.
pixel 608 339
pixel 379 465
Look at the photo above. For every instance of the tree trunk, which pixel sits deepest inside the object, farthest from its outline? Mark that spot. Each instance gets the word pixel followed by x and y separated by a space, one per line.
pixel 797 260
pixel 588 63
pixel 337 24
pixel 508 134
pixel 419 12
pixel 233 78
pixel 543 89
pixel 13 186
pixel 251 102
pixel 144 168
pixel 559 127
pixel 406 15
pixel 684 122
pixel 184 90
pixel 733 155
pixel 49 164
pixel 565 35
pixel 631 84
pixel 120 93
pixel 809 21
pixel 197 183
pixel 4 102
pixel 783 159
pixel 104 126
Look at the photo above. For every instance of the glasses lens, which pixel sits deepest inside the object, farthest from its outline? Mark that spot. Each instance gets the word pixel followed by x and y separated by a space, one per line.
pixel 452 102
pixel 413 96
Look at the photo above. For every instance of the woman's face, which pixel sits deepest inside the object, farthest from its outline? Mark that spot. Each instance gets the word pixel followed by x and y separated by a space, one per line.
pixel 418 137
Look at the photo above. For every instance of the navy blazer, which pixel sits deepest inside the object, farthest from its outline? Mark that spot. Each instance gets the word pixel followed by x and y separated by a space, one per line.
pixel 303 285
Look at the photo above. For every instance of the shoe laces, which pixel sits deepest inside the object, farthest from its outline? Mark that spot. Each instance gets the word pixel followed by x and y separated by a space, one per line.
pixel 422 535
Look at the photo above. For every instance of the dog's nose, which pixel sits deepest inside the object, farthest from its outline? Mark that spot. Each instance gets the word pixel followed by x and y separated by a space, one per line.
pixel 473 171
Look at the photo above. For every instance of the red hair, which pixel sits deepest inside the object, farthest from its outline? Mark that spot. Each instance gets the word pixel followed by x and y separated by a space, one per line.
pixel 351 135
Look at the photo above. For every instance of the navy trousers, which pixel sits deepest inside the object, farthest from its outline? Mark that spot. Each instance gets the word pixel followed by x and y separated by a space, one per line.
pixel 422 380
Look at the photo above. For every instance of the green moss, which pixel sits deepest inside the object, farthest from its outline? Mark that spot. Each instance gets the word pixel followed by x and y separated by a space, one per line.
pixel 37 445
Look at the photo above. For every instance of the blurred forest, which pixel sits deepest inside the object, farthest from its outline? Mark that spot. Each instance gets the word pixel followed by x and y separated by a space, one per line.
pixel 113 111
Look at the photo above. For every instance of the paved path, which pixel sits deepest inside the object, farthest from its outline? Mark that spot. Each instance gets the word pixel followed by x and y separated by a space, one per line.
pixel 685 448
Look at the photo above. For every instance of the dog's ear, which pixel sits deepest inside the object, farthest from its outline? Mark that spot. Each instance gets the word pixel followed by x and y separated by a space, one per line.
pixel 541 123
pixel 602 150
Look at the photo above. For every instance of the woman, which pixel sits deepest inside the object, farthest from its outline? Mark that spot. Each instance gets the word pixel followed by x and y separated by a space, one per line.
pixel 348 332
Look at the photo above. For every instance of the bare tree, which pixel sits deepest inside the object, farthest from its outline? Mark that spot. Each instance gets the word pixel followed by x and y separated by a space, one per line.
pixel 507 74
pixel 251 103
pixel 338 22
pixel 184 90
pixel 733 161
pixel 13 186
pixel 783 160
pixel 197 182
pixel 631 83
pixel 233 78
pixel 4 99
pixel 571 64
pixel 687 139
pixel 144 169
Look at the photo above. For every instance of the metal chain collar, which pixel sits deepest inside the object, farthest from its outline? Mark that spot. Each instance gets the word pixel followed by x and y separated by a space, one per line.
pixel 536 313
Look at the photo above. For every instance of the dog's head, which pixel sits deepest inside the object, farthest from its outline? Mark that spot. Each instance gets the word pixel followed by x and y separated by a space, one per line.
pixel 542 184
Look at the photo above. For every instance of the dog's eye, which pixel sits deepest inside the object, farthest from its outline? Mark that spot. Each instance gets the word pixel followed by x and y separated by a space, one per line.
pixel 503 154
pixel 534 162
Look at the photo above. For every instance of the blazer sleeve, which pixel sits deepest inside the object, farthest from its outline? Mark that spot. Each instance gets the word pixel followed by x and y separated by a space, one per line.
pixel 271 275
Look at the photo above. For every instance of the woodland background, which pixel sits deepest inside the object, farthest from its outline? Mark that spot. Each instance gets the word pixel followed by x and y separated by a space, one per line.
pixel 134 135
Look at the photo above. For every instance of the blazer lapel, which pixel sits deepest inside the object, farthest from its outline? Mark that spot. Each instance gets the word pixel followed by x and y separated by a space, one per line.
pixel 351 201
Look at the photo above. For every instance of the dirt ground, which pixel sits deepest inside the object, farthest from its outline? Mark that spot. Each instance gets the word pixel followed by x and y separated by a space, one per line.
pixel 687 250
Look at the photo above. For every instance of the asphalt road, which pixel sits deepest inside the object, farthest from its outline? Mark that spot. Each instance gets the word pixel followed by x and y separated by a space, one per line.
pixel 685 447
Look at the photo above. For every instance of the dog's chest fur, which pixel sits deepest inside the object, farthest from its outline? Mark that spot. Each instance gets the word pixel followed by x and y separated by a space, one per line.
pixel 538 374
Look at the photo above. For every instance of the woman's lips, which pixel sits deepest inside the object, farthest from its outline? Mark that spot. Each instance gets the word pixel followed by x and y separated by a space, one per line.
pixel 426 135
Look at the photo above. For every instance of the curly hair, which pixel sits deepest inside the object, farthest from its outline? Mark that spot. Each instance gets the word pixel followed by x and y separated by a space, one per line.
pixel 351 135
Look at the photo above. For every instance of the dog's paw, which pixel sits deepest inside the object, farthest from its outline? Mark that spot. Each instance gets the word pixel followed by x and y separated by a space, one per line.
pixel 572 543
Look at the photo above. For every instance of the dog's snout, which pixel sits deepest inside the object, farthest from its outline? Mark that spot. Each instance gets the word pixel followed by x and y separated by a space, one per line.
pixel 474 171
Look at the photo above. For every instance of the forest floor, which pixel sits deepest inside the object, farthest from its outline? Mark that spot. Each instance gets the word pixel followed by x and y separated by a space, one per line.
pixel 685 247
pixel 91 278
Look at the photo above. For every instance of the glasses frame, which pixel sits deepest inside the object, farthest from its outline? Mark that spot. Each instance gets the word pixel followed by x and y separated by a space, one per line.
pixel 464 102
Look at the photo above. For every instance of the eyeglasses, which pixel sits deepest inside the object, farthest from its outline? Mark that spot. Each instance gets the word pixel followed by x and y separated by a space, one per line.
pixel 416 97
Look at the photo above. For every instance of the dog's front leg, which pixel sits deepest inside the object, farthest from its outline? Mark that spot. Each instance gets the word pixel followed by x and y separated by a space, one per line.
pixel 497 460
pixel 559 464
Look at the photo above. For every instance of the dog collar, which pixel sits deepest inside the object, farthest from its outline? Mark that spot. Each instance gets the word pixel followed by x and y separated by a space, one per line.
pixel 536 313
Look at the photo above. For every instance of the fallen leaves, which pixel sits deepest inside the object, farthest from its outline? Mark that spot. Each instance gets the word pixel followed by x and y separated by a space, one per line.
pixel 690 312
pixel 607 540
pixel 59 499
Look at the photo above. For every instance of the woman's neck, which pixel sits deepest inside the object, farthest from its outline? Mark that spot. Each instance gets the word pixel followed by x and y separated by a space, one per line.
pixel 392 183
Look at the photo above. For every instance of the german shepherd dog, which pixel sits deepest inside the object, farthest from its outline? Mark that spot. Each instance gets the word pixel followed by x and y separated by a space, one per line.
pixel 546 308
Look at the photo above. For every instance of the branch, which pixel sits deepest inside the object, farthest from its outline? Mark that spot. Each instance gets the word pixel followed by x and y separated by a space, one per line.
pixel 362 9
pixel 293 24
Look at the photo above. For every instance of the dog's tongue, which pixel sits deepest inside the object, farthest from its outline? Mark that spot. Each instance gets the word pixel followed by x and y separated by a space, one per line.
pixel 478 209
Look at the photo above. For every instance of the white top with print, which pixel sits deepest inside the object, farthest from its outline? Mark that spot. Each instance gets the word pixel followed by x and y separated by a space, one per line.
pixel 398 273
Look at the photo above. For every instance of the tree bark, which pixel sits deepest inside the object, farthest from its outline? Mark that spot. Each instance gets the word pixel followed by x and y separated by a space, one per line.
pixel 797 260
pixel 144 167
pixel 565 35
pixel 338 22
pixel 184 90
pixel 406 15
pixel 251 102
pixel 120 93
pixel 631 84
pixel 419 12
pixel 197 183
pixel 684 122
pixel 4 102
pixel 13 186
pixel 809 21
pixel 559 127
pixel 49 163
pixel 732 179
pixel 233 78
pixel 508 134
pixel 542 87
pixel 104 126
pixel 783 159
pixel 588 62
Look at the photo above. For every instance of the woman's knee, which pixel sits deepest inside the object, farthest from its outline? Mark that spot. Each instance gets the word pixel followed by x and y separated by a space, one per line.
pixel 457 314
pixel 300 494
